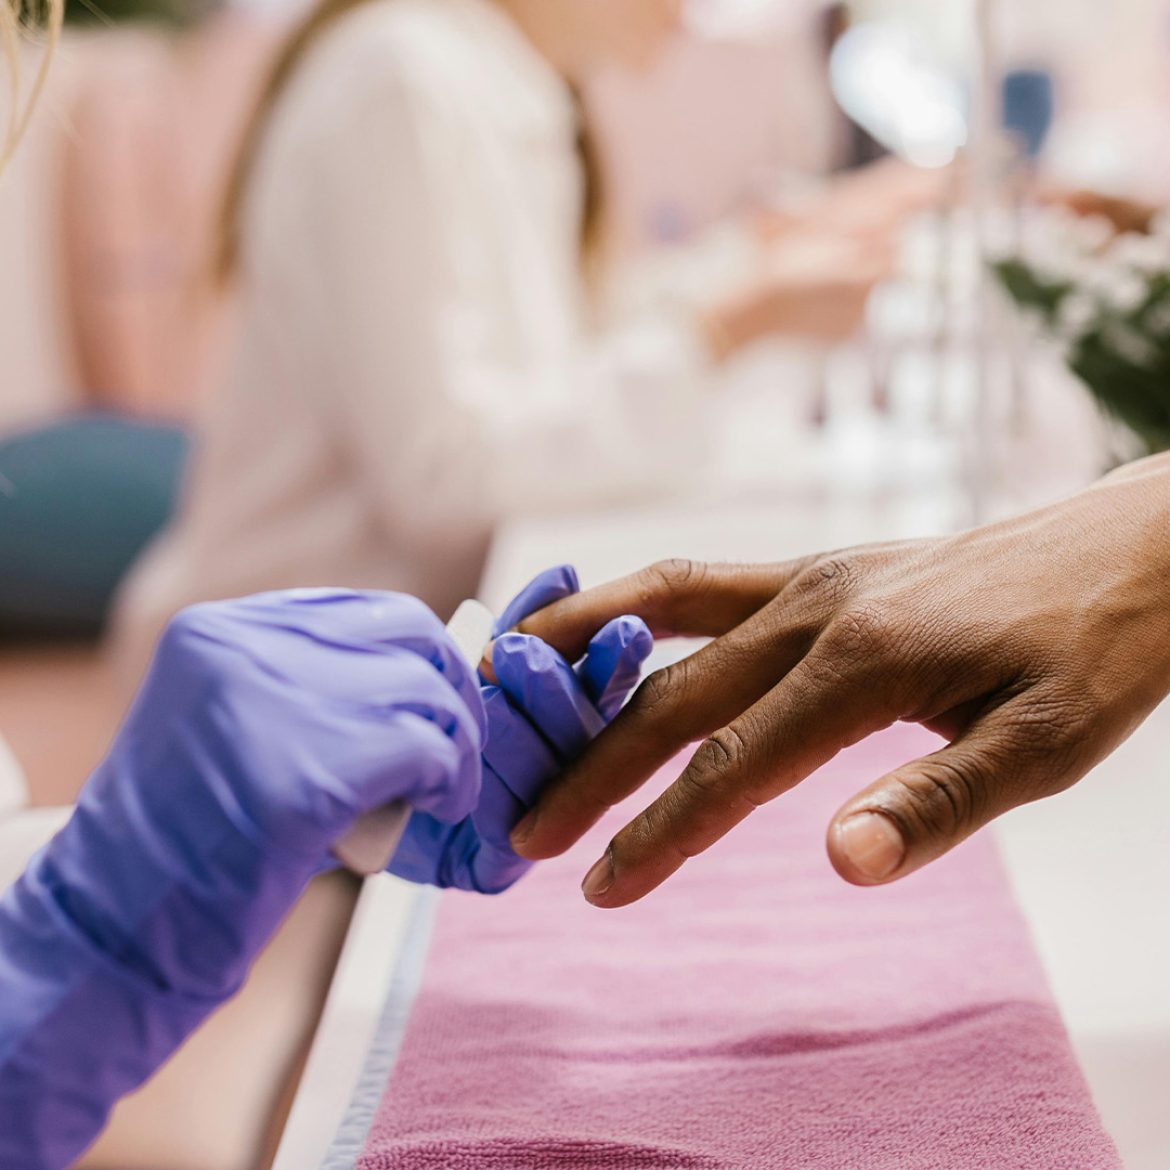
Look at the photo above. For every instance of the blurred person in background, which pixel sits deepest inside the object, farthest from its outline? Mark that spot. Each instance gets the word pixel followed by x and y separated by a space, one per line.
pixel 266 729
pixel 411 226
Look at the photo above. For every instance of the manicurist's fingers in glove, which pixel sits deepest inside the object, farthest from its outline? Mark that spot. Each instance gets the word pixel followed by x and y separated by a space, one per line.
pixel 568 706
pixel 543 590
pixel 372 680
pixel 541 713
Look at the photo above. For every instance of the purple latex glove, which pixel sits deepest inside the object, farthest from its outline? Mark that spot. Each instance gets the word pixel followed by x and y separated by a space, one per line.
pixel 542 714
pixel 265 728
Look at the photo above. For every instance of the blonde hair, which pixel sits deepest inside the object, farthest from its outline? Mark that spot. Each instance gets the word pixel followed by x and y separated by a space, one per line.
pixel 15 24
pixel 319 19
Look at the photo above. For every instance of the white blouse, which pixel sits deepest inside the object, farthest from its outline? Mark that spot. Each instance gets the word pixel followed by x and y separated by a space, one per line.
pixel 416 362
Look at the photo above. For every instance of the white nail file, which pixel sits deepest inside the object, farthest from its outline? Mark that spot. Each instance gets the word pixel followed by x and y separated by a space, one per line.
pixel 368 847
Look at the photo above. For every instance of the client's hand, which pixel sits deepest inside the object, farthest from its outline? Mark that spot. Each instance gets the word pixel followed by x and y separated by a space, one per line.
pixel 816 287
pixel 1035 646
pixel 875 199
pixel 541 715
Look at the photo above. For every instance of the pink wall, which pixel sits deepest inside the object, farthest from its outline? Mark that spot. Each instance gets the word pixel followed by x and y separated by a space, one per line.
pixel 103 293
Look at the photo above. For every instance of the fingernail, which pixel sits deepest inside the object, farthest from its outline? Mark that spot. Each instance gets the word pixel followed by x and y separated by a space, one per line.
pixel 599 879
pixel 486 671
pixel 872 845
pixel 524 829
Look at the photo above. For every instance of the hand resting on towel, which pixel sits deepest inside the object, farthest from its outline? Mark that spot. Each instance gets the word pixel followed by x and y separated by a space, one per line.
pixel 1035 646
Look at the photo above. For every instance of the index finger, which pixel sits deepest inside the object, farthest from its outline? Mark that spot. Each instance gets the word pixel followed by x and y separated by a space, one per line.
pixel 678 597
pixel 815 711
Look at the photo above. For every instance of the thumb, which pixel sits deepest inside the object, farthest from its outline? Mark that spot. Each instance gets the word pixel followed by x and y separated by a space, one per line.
pixel 918 812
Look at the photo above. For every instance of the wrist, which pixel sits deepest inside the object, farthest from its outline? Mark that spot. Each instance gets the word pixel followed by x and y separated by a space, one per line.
pixel 175 895
pixel 1153 467
pixel 112 953
pixel 79 1029
pixel 1138 502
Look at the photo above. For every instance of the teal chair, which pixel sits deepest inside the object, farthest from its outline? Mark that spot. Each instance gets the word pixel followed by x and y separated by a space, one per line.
pixel 79 500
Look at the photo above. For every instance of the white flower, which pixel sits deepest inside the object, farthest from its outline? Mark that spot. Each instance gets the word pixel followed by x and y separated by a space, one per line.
pixel 1078 313
pixel 1124 292
pixel 1141 253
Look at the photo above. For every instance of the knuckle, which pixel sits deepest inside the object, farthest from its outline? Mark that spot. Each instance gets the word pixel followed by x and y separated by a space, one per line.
pixel 400 616
pixel 190 628
pixel 1050 722
pixel 720 753
pixel 864 631
pixel 205 615
pixel 655 698
pixel 829 579
pixel 837 574
pixel 653 831
pixel 710 789
pixel 671 577
pixel 410 607
pixel 1051 734
pixel 939 799
pixel 201 646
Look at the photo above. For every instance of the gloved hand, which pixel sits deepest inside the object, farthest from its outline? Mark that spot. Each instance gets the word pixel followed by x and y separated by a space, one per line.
pixel 264 729
pixel 540 716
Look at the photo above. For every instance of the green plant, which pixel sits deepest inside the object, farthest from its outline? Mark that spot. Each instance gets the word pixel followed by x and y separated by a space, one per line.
pixel 1112 318
pixel 109 12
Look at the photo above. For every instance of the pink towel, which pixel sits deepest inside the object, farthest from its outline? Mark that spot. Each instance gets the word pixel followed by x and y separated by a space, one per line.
pixel 756 1012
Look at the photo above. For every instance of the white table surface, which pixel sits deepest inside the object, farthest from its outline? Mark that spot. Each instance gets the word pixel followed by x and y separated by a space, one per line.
pixel 349 1022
